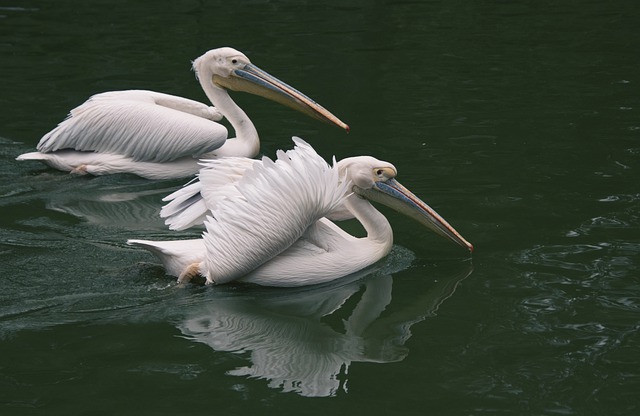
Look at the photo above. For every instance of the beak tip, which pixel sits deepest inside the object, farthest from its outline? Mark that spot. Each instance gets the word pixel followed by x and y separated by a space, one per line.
pixel 347 128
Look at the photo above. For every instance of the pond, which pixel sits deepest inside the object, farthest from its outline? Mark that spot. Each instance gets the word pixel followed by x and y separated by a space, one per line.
pixel 519 122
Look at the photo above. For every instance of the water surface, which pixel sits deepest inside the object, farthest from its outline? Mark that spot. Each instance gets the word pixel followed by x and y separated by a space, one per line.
pixel 517 121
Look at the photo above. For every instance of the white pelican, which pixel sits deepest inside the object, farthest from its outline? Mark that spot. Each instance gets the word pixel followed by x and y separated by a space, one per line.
pixel 161 136
pixel 270 227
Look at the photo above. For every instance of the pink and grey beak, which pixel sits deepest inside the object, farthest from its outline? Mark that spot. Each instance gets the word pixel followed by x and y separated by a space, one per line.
pixel 392 194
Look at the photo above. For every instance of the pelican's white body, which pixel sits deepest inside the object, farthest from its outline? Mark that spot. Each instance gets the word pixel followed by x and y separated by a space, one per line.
pixel 161 136
pixel 267 224
pixel 269 227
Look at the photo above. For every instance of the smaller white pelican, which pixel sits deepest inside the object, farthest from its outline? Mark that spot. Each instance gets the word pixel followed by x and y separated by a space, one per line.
pixel 161 136
pixel 270 227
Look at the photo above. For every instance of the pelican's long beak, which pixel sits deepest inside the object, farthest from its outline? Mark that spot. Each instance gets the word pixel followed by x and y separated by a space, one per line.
pixel 392 194
pixel 254 80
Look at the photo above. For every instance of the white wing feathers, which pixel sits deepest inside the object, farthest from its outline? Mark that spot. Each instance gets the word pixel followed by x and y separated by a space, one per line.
pixel 219 177
pixel 190 205
pixel 144 125
pixel 273 205
pixel 186 208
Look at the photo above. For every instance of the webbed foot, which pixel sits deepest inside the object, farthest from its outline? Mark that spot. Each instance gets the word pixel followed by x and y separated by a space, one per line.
pixel 79 170
pixel 191 274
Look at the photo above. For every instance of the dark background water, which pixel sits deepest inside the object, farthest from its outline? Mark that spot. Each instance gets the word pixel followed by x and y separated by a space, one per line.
pixel 518 121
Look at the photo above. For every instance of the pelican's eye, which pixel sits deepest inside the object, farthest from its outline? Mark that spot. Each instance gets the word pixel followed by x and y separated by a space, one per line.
pixel 234 61
pixel 382 174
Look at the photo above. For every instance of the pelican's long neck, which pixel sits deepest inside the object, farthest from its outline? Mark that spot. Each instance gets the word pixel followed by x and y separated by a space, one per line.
pixel 246 143
pixel 375 224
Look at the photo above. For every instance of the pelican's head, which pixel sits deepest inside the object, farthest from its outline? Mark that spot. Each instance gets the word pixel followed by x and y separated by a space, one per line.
pixel 220 62
pixel 374 180
pixel 231 69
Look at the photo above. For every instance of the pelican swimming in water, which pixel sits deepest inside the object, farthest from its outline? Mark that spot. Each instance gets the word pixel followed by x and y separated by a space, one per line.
pixel 161 136
pixel 270 227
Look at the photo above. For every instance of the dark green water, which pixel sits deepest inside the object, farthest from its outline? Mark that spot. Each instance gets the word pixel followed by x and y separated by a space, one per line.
pixel 518 121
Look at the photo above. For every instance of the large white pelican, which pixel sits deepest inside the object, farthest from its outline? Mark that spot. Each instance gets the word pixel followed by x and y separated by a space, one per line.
pixel 270 227
pixel 161 136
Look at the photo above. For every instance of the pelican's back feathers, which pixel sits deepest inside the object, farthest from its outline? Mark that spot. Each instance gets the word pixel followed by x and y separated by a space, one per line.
pixel 142 125
pixel 273 205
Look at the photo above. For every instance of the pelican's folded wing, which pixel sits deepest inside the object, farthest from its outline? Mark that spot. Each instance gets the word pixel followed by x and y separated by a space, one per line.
pixel 144 125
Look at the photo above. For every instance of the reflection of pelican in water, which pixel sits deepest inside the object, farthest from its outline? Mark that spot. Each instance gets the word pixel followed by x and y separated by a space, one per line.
pixel 115 202
pixel 292 336
pixel 121 206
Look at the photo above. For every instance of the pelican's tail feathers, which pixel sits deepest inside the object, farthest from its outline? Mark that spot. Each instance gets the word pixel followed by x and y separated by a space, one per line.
pixel 175 255
pixel 33 156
